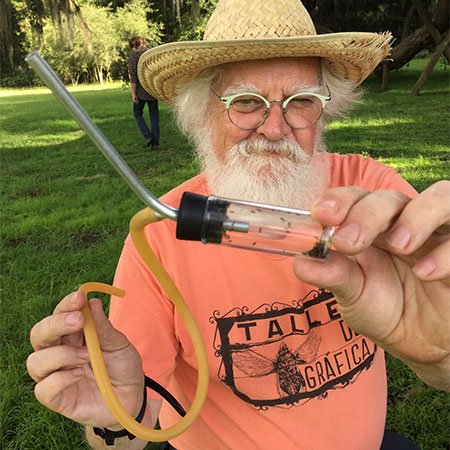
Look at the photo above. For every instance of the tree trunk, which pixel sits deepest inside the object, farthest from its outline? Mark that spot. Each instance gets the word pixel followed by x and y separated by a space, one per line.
pixel 195 10
pixel 68 12
pixel 87 33
pixel 426 19
pixel 35 14
pixel 406 30
pixel 100 74
pixel 385 78
pixel 417 41
pixel 6 37
pixel 177 11
pixel 430 66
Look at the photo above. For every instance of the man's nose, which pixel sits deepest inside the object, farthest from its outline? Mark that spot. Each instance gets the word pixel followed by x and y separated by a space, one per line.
pixel 275 127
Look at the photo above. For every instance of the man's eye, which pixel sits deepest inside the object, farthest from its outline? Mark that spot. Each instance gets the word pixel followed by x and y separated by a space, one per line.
pixel 301 103
pixel 246 101
pixel 246 104
pixel 300 100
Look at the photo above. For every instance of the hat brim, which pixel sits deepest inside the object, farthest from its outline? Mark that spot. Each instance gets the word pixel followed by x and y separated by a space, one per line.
pixel 352 56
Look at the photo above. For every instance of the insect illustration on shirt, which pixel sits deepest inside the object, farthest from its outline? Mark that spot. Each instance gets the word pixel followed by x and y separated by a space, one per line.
pixel 290 381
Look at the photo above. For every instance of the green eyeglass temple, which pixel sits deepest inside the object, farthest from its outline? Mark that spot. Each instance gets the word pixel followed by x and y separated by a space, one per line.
pixel 229 99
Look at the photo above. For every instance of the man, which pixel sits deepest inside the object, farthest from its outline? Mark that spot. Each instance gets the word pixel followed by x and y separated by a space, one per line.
pixel 141 97
pixel 296 361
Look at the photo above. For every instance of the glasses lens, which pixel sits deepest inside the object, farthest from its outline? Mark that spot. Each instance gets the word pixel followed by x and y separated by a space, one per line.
pixel 247 111
pixel 303 111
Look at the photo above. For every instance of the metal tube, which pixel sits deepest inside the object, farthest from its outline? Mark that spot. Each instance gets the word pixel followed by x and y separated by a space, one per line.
pixel 49 77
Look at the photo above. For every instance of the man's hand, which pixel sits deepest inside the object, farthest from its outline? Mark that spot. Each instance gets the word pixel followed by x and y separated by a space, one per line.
pixel 390 271
pixel 60 365
pixel 133 93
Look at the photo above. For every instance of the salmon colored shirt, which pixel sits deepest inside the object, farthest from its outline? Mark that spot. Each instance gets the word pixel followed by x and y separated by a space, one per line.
pixel 285 371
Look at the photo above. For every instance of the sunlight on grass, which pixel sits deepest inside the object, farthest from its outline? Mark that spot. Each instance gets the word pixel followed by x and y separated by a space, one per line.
pixel 373 122
pixel 41 142
pixel 7 92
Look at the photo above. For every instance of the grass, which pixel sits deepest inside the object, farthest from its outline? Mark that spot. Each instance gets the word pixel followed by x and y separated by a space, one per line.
pixel 65 215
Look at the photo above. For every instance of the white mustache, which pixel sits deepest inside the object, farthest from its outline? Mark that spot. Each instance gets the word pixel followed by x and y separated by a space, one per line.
pixel 263 146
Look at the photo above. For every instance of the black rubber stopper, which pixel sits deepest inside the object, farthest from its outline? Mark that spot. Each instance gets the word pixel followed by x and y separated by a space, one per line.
pixel 190 217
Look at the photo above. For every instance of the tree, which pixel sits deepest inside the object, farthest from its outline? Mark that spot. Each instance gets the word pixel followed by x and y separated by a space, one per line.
pixel 7 27
pixel 363 15
pixel 81 40
pixel 419 39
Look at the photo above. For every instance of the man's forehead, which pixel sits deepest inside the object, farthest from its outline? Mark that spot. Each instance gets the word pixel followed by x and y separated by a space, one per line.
pixel 290 74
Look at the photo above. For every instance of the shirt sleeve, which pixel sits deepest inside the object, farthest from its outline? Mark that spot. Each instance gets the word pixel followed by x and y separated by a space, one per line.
pixel 133 68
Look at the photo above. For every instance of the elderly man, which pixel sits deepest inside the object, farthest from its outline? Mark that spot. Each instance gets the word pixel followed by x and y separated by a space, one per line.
pixel 294 346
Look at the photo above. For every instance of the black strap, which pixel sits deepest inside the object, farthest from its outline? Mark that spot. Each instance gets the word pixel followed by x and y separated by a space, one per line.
pixel 165 394
pixel 109 436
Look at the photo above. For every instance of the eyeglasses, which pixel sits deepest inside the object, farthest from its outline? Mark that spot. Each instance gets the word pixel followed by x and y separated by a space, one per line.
pixel 249 111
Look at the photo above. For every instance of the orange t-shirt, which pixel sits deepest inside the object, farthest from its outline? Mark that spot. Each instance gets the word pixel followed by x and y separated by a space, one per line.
pixel 285 370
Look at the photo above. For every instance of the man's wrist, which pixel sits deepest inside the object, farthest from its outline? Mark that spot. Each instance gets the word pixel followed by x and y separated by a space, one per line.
pixel 110 434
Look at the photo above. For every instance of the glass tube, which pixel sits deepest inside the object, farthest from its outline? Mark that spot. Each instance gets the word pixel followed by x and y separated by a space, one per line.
pixel 265 228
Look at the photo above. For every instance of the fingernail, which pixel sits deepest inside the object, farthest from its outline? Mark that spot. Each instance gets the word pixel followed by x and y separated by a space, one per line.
pixel 348 233
pixel 74 298
pixel 83 353
pixel 72 318
pixel 329 205
pixel 425 266
pixel 400 237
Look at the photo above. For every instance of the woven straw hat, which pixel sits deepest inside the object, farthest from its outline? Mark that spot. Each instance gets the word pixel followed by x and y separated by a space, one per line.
pixel 240 30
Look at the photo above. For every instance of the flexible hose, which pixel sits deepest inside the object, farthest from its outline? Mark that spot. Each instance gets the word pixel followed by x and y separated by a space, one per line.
pixel 137 225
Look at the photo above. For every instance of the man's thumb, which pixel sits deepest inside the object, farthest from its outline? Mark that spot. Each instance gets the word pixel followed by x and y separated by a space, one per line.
pixel 110 338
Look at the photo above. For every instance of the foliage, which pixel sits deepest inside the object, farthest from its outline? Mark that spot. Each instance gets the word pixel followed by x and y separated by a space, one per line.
pixel 132 20
pixel 93 33
pixel 192 28
pixel 109 36
pixel 361 15
pixel 13 44
pixel 88 42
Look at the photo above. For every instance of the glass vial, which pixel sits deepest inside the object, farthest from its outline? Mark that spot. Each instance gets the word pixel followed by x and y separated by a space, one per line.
pixel 253 226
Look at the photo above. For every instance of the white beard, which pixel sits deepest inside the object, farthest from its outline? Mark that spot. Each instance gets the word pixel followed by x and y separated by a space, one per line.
pixel 249 172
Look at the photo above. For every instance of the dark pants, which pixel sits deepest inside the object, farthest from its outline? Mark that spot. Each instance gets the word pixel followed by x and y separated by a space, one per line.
pixel 138 110
pixel 391 441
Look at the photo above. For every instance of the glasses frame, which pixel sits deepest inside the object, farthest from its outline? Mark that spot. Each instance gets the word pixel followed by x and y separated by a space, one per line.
pixel 228 99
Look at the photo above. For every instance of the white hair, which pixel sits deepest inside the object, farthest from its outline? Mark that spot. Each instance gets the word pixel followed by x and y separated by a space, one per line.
pixel 343 93
pixel 191 105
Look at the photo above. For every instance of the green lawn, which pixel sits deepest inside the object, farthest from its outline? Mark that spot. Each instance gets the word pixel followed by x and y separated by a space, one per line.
pixel 65 215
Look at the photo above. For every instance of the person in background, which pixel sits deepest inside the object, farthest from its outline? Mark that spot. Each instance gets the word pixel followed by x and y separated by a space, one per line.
pixel 141 97
pixel 295 346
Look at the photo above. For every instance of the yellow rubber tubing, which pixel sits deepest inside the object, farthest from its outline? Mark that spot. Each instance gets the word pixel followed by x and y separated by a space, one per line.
pixel 137 225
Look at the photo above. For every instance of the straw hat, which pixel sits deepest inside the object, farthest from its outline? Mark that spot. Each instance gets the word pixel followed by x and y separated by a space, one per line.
pixel 241 30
